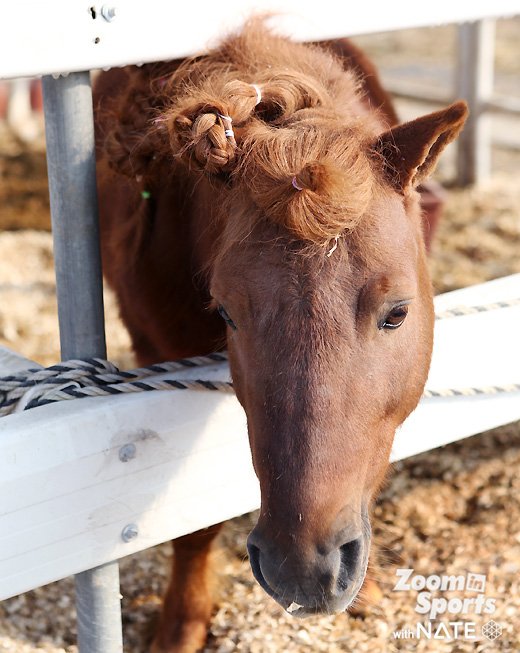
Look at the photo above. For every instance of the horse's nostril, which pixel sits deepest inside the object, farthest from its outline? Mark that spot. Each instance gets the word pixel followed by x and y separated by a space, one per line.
pixel 350 554
pixel 254 561
pixel 254 557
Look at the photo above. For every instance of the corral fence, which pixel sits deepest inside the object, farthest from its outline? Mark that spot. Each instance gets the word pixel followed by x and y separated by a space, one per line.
pixel 73 499
pixel 474 81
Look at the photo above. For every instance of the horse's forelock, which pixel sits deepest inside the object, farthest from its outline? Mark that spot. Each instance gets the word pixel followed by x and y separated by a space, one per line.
pixel 274 128
pixel 293 152
pixel 314 179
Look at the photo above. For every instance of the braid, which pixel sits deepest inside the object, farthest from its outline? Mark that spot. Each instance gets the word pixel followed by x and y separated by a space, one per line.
pixel 200 123
pixel 275 130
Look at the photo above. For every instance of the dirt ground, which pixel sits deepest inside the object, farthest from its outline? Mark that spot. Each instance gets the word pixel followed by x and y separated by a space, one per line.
pixel 450 511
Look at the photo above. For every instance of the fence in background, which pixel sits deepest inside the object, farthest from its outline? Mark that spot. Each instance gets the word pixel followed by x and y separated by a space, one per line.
pixel 474 81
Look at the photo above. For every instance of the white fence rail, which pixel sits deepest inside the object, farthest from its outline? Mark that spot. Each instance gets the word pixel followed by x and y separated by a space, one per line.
pixel 39 38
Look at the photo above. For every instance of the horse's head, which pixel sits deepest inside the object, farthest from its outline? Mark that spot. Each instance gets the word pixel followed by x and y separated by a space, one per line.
pixel 320 273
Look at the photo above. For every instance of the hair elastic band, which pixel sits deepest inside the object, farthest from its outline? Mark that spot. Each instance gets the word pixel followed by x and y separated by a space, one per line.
pixel 159 120
pixel 229 133
pixel 334 247
pixel 295 184
pixel 258 93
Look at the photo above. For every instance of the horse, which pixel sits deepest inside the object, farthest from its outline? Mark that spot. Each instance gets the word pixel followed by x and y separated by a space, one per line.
pixel 261 198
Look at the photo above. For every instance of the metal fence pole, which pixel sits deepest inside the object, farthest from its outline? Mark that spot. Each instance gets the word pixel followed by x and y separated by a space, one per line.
pixel 69 128
pixel 474 82
pixel 98 607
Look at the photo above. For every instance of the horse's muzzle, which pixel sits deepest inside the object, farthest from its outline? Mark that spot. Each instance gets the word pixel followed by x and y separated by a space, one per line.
pixel 324 582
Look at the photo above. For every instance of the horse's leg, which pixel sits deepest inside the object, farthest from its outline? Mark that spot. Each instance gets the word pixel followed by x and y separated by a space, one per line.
pixel 188 604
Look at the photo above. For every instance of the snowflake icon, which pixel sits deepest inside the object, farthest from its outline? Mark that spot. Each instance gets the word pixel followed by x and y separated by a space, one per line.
pixel 491 630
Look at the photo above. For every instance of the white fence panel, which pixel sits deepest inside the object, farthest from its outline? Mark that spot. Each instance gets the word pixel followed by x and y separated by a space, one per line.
pixel 72 35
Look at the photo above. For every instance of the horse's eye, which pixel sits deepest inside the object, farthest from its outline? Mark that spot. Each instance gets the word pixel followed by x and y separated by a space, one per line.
pixel 395 318
pixel 224 315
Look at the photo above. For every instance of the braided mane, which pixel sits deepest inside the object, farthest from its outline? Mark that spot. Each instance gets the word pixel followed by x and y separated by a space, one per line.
pixel 300 154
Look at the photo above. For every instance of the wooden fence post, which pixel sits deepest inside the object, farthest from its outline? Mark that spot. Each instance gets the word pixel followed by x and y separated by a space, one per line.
pixel 474 83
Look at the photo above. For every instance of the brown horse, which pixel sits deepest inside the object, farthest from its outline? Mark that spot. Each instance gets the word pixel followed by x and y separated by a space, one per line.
pixel 255 198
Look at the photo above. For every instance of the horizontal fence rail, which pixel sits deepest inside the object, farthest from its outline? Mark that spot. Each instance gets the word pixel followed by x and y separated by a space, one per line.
pixel 409 91
pixel 70 35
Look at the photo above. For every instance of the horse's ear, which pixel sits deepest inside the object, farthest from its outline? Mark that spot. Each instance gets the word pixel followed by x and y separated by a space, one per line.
pixel 410 151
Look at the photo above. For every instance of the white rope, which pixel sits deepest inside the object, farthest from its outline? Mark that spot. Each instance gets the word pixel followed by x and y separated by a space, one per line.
pixel 95 377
